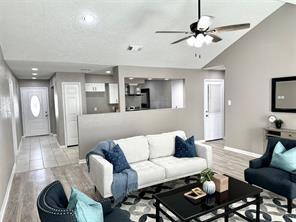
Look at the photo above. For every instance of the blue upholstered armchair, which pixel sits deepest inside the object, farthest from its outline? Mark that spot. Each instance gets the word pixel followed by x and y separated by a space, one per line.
pixel 52 205
pixel 272 179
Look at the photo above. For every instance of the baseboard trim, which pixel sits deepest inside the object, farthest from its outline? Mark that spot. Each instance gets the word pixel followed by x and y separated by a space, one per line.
pixel 82 161
pixel 256 155
pixel 6 197
pixel 61 146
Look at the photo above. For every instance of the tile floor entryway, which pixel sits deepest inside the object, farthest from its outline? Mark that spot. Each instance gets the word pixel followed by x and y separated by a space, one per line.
pixel 44 152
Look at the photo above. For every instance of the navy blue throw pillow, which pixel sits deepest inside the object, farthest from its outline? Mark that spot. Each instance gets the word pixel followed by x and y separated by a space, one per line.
pixel 117 158
pixel 185 148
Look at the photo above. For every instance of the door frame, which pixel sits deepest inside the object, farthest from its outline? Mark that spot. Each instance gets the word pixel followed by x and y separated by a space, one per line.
pixel 22 89
pixel 13 120
pixel 206 81
pixel 64 106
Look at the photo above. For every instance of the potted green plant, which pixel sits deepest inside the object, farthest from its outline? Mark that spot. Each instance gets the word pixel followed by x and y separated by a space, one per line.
pixel 278 123
pixel 206 179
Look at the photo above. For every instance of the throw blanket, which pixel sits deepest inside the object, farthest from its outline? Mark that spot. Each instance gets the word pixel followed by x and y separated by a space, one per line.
pixel 124 182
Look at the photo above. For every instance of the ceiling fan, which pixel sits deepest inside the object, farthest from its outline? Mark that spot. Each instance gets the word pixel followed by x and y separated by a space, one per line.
pixel 200 32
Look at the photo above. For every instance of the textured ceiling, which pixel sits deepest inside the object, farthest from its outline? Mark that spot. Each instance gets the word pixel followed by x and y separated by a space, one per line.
pixel 49 33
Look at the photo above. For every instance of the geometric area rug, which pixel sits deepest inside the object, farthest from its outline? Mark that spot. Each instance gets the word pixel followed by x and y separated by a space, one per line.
pixel 140 205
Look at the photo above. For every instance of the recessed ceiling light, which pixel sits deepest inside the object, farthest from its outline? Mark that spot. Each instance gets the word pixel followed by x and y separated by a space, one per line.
pixel 88 18
pixel 34 69
pixel 149 78
pixel 34 78
pixel 166 79
pixel 131 78
pixel 34 74
pixel 108 71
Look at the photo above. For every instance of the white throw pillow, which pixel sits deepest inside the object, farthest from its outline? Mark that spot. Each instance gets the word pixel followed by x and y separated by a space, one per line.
pixel 161 145
pixel 135 148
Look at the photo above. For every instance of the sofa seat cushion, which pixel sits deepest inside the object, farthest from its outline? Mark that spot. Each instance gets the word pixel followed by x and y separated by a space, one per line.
pixel 148 172
pixel 178 167
pixel 134 148
pixel 275 180
pixel 163 144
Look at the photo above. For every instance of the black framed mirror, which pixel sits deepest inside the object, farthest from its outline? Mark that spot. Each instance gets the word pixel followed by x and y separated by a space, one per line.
pixel 284 94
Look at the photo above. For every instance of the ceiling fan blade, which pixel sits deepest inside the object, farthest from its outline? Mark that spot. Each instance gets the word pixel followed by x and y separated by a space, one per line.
pixel 184 32
pixel 183 39
pixel 228 28
pixel 215 37
pixel 204 22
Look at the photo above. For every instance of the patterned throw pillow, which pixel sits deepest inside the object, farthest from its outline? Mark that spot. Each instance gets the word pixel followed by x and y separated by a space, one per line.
pixel 117 158
pixel 185 148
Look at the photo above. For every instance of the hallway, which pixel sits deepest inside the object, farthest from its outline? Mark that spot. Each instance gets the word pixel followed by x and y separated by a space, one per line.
pixel 42 152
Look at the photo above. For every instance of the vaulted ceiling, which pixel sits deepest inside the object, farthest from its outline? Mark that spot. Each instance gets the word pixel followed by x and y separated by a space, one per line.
pixel 52 35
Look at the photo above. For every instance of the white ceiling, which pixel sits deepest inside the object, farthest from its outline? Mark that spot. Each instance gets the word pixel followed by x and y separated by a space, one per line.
pixel 48 34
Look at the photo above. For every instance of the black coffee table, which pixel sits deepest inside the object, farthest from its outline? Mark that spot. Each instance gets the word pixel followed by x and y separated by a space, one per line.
pixel 186 210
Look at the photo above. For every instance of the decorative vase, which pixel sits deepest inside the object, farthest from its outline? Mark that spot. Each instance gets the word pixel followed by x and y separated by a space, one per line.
pixel 209 187
pixel 278 125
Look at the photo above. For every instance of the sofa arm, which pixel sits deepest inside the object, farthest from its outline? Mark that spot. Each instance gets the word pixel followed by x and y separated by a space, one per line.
pixel 204 151
pixel 101 173
pixel 259 162
pixel 293 176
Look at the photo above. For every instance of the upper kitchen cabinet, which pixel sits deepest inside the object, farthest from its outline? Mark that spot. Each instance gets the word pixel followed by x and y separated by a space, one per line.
pixel 94 87
pixel 113 93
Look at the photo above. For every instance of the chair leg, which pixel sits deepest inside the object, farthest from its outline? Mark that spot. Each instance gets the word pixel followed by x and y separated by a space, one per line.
pixel 290 203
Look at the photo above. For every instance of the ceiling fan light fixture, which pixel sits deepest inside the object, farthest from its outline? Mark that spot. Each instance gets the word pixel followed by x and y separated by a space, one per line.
pixel 191 41
pixel 204 22
pixel 199 40
pixel 208 39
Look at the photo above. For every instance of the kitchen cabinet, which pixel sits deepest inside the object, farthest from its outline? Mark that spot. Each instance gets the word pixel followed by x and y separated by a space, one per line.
pixel 94 87
pixel 113 93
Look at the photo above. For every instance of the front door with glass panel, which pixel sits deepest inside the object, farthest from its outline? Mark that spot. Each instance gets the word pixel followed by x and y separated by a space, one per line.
pixel 35 111
pixel 213 109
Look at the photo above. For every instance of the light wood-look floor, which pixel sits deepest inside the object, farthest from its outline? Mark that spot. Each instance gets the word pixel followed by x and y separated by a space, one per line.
pixel 26 186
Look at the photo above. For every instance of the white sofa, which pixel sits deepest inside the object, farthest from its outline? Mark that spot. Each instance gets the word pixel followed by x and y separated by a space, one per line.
pixel 153 158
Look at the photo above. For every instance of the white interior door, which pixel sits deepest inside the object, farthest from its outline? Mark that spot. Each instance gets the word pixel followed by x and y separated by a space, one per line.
pixel 72 109
pixel 213 109
pixel 35 111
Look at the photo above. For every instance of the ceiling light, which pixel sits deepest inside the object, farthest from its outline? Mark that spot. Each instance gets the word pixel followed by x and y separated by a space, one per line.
pixel 34 69
pixel 108 71
pixel 88 19
pixel 191 41
pixel 199 40
pixel 166 79
pixel 34 78
pixel 149 79
pixel 34 74
pixel 208 39
pixel 131 78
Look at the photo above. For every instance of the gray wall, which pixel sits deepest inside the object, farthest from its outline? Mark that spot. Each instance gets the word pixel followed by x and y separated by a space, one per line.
pixel 98 99
pixel 56 82
pixel 6 138
pixel 160 93
pixel 98 127
pixel 267 51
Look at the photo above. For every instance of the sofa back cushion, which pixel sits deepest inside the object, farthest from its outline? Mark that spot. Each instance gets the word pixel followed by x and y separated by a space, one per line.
pixel 161 145
pixel 135 148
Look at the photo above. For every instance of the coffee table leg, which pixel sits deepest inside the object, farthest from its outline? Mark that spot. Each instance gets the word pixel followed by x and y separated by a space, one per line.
pixel 226 216
pixel 258 198
pixel 157 215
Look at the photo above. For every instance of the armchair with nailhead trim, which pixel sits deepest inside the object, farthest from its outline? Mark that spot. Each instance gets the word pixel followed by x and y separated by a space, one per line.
pixel 52 205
